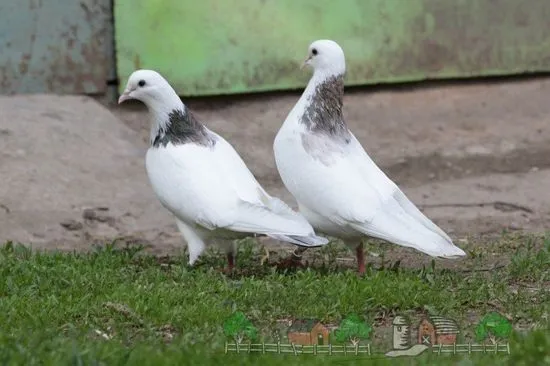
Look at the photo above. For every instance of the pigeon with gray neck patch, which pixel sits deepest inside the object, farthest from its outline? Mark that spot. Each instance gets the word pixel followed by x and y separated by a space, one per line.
pixel 202 180
pixel 338 187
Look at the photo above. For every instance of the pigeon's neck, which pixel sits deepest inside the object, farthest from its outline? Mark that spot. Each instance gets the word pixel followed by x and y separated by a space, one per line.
pixel 322 103
pixel 326 86
pixel 177 125
pixel 160 107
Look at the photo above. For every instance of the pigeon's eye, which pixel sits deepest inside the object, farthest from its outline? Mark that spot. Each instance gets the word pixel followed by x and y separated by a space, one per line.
pixel 141 83
pixel 314 51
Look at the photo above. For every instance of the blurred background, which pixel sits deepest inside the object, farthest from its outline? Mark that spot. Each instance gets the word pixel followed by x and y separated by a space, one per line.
pixel 451 99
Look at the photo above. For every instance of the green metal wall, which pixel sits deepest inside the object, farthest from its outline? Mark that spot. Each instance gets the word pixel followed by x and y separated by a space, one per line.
pixel 230 46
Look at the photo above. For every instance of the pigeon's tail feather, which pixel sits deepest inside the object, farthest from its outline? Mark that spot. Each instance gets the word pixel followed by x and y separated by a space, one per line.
pixel 394 224
pixel 428 243
pixel 262 220
pixel 412 210
pixel 310 241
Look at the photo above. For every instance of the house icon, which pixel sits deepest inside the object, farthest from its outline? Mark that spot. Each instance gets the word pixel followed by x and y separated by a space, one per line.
pixel 308 332
pixel 437 330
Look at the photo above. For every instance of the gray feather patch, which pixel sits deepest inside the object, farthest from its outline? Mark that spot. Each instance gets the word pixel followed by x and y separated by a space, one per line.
pixel 182 128
pixel 324 112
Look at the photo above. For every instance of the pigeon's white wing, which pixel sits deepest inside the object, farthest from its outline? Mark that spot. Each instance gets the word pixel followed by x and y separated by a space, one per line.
pixel 254 211
pixel 324 180
pixel 346 187
pixel 396 218
pixel 388 188
pixel 213 188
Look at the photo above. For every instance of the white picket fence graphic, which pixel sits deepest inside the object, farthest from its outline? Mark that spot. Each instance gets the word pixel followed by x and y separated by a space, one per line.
pixel 296 349
pixel 469 348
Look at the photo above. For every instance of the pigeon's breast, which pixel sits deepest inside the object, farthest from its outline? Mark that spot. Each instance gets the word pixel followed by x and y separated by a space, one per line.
pixel 302 160
pixel 323 148
pixel 322 177
pixel 171 172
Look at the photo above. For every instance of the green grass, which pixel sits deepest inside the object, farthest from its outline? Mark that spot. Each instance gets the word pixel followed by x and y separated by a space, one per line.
pixel 121 306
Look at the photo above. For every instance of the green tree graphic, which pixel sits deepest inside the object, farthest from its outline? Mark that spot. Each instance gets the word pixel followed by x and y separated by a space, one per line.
pixel 352 329
pixel 493 326
pixel 238 327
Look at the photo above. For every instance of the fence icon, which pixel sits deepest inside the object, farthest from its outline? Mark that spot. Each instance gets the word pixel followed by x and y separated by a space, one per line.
pixel 296 349
pixel 469 348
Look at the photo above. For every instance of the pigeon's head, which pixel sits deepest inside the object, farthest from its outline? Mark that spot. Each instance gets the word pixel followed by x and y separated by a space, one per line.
pixel 326 56
pixel 149 87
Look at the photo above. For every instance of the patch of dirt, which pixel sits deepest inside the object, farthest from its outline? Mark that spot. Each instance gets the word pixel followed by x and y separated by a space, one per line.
pixel 474 157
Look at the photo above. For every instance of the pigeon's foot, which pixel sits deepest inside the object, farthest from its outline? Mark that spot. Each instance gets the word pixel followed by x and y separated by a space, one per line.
pixel 360 254
pixel 293 261
pixel 265 258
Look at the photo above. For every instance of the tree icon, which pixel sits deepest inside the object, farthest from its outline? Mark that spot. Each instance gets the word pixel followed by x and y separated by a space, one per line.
pixel 238 327
pixel 352 329
pixel 493 326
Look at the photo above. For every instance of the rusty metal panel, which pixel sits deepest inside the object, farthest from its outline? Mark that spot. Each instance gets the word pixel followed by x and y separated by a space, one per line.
pixel 55 46
pixel 232 46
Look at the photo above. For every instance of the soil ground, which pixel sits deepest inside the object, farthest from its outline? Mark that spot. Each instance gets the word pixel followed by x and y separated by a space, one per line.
pixel 474 157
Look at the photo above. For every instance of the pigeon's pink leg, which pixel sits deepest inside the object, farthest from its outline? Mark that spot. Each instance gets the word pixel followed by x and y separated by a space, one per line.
pixel 230 262
pixel 360 258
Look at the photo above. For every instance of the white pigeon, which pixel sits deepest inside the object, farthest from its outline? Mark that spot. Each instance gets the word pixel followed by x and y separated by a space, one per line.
pixel 339 189
pixel 202 180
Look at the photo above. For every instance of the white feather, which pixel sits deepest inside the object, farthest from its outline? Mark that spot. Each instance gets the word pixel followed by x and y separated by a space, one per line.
pixel 208 187
pixel 213 189
pixel 342 192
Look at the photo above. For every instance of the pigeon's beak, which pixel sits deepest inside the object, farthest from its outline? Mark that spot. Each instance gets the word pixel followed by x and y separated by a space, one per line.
pixel 125 96
pixel 306 62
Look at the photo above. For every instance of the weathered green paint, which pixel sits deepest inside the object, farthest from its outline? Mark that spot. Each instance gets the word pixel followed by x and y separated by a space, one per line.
pixel 231 46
